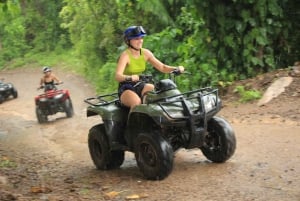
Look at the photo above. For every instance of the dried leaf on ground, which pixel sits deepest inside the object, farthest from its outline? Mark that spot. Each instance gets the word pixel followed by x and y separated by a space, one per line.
pixel 111 195
pixel 40 189
pixel 136 196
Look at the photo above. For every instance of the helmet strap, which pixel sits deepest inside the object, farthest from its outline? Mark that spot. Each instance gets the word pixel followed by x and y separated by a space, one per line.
pixel 134 48
pixel 129 45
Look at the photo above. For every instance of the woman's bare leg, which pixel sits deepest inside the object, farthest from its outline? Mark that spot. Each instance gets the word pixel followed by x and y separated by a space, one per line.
pixel 147 88
pixel 130 99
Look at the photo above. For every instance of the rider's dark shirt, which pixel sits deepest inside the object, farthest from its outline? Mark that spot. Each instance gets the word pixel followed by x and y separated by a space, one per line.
pixel 51 82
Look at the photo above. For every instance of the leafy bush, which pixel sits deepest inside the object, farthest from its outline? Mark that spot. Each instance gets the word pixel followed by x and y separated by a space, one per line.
pixel 105 79
pixel 247 95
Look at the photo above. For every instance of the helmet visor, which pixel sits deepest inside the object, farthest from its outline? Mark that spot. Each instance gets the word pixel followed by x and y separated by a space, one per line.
pixel 46 70
pixel 136 32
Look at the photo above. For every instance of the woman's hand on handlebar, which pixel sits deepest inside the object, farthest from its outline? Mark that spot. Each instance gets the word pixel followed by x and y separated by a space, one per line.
pixel 181 69
pixel 135 78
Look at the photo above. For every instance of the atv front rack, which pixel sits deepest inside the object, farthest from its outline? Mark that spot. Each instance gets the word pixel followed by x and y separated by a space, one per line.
pixel 196 108
pixel 51 93
pixel 202 101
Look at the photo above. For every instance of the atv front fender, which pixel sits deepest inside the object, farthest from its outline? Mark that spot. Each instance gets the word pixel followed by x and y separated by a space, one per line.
pixel 158 114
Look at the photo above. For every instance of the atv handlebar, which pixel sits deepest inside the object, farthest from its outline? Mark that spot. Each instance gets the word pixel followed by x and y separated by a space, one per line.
pixel 175 72
pixel 172 75
pixel 146 78
pixel 149 78
pixel 43 86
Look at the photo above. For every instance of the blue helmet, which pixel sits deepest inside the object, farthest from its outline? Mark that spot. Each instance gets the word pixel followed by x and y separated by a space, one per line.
pixel 134 32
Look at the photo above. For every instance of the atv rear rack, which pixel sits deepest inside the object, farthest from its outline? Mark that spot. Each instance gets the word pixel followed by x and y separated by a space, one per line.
pixel 102 100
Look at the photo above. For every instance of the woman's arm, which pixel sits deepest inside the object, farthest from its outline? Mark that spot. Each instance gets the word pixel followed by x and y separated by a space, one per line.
pixel 41 81
pixel 158 64
pixel 56 79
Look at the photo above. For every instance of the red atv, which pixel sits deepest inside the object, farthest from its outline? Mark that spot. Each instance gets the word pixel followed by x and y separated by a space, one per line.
pixel 53 101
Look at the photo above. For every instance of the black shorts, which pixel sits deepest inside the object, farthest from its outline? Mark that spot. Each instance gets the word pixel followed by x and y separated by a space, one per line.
pixel 136 87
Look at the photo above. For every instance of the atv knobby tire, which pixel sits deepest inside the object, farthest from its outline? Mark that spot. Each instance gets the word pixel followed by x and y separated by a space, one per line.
pixel 154 156
pixel 68 106
pixel 99 149
pixel 42 118
pixel 14 93
pixel 220 143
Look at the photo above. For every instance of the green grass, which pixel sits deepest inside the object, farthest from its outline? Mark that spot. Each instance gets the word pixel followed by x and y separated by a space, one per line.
pixel 66 60
pixel 6 163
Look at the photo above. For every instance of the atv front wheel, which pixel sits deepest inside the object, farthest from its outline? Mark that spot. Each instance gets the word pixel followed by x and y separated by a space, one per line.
pixel 103 158
pixel 1 99
pixel 42 118
pixel 220 143
pixel 69 108
pixel 14 93
pixel 154 156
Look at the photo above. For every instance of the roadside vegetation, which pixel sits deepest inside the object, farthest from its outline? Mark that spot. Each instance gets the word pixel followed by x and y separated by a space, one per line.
pixel 217 41
pixel 247 95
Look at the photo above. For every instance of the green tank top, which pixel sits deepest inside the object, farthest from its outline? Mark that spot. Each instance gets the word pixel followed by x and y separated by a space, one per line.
pixel 136 66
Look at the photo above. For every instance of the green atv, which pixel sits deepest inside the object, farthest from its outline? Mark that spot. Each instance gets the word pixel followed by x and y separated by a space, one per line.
pixel 166 121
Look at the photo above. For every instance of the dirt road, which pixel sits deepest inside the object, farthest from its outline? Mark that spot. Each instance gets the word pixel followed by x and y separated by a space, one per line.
pixel 51 161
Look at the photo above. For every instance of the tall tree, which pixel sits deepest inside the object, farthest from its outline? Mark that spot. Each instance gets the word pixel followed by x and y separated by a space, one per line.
pixel 12 31
pixel 43 31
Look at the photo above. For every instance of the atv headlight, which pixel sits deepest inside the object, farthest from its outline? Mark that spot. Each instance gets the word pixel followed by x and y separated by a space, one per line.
pixel 43 99
pixel 2 88
pixel 58 96
pixel 209 102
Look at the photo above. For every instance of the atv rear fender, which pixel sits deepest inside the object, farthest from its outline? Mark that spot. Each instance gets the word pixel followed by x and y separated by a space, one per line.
pixel 107 106
pixel 109 112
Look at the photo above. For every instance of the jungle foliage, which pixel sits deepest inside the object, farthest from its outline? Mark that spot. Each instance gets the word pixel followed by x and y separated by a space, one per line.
pixel 218 41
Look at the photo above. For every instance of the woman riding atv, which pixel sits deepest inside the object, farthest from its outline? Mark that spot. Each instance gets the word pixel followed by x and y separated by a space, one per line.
pixel 49 78
pixel 132 63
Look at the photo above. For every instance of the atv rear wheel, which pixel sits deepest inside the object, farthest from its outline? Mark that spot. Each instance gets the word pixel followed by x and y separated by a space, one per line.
pixel 154 156
pixel 68 108
pixel 220 143
pixel 103 158
pixel 42 118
